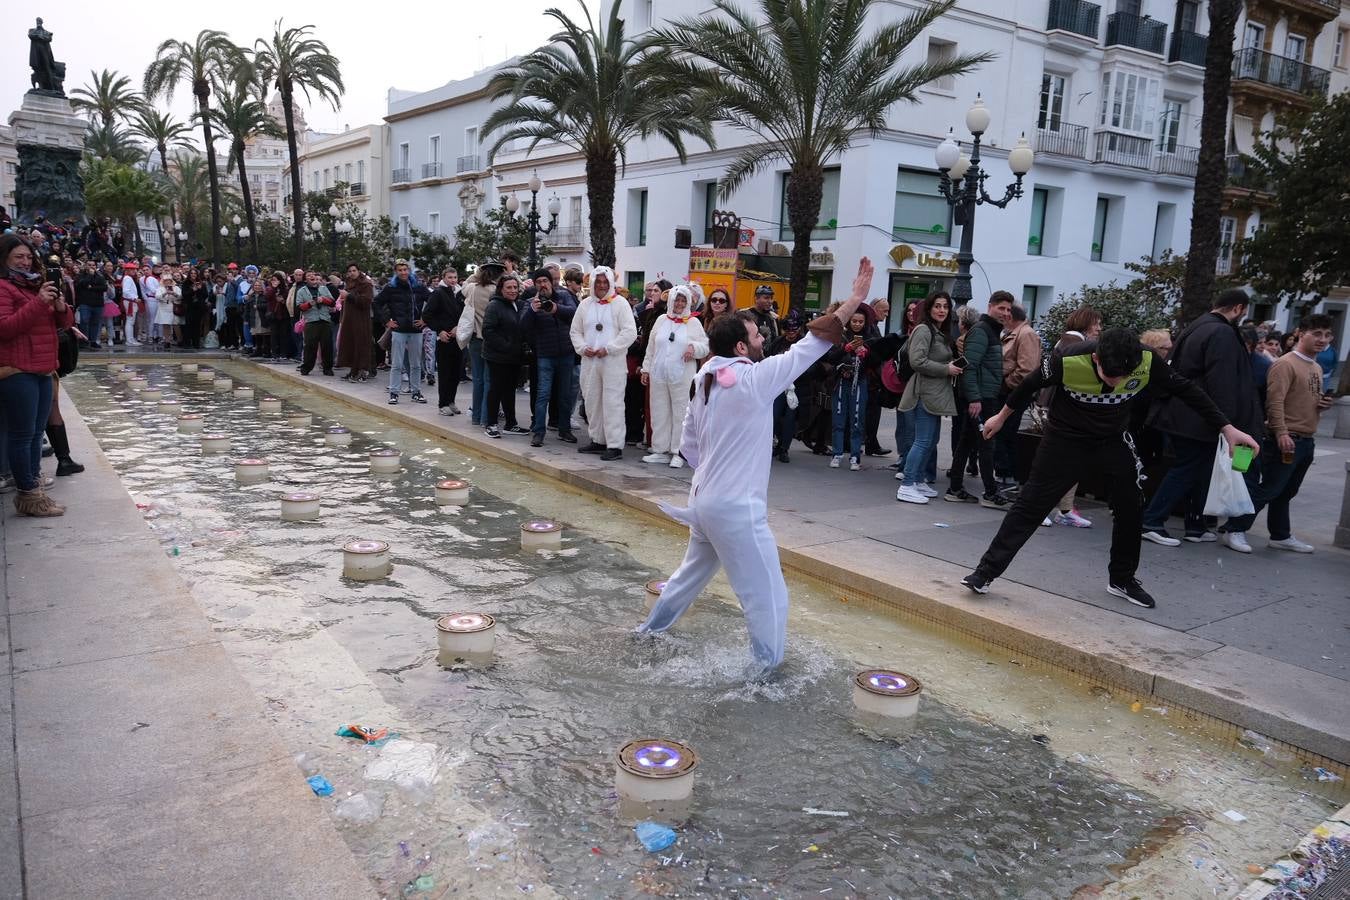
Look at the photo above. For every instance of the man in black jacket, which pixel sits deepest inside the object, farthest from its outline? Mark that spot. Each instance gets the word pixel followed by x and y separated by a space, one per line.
pixel 1211 354
pixel 442 314
pixel 547 321
pixel 401 305
pixel 90 286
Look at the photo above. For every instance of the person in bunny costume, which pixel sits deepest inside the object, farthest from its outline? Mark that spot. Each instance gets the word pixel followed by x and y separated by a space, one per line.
pixel 602 330
pixel 676 340
pixel 727 438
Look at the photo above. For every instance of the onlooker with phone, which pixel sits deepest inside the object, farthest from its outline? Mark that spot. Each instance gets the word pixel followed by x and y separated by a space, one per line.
pixel 929 393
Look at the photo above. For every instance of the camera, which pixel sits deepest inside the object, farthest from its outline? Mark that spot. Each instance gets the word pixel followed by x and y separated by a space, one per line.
pixel 53 271
pixel 546 305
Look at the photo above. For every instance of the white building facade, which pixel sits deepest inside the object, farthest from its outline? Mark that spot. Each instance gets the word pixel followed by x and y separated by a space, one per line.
pixel 349 165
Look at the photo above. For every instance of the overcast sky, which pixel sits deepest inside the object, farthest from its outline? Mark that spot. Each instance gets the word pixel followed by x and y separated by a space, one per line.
pixel 426 45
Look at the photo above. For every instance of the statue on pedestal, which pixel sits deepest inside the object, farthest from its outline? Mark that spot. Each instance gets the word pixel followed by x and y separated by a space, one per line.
pixel 48 74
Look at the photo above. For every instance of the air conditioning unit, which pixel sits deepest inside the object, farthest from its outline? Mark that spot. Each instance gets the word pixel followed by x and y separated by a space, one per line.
pixel 684 238
pixel 779 250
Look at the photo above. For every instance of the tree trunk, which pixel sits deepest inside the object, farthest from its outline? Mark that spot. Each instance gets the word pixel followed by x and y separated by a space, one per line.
pixel 297 199
pixel 159 227
pixel 601 173
pixel 805 191
pixel 1211 173
pixel 248 198
pixel 173 205
pixel 204 105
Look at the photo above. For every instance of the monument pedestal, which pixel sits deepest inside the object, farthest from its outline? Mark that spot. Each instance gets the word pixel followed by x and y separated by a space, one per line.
pixel 50 139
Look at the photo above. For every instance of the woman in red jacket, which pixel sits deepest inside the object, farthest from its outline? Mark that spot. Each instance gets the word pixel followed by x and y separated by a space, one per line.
pixel 30 314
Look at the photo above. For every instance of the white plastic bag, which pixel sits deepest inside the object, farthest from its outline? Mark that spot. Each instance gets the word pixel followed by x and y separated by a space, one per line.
pixel 1228 494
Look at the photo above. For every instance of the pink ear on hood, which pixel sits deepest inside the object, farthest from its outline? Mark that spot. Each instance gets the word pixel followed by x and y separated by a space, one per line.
pixel 726 376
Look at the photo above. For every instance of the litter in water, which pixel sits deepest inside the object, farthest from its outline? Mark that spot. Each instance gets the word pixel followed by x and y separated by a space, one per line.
pixel 1235 816
pixel 654 836
pixel 319 785
pixel 812 811
pixel 360 809
pixel 363 733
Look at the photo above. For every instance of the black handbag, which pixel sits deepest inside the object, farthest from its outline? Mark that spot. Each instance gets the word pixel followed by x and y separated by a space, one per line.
pixel 67 352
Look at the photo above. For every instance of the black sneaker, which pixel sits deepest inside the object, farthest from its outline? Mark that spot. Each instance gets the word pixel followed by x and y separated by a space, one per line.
pixel 417 397
pixel 878 451
pixel 1160 537
pixel 567 437
pixel 537 441
pixel 515 429
pixel 393 399
pixel 611 454
pixel 960 496
pixel 592 447
pixel 493 431
pixel 976 582
pixel 995 501
pixel 783 456
pixel 68 466
pixel 1132 591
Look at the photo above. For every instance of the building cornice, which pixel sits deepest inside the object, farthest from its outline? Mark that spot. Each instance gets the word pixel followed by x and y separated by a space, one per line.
pixel 438 105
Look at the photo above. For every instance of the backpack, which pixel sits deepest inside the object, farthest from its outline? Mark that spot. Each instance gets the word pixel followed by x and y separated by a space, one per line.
pixel 903 370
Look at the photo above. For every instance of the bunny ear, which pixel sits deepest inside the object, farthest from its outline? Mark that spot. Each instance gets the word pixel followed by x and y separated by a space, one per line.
pixel 726 377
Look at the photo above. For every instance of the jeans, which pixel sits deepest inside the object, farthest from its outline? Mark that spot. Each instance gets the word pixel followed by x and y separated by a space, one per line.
pixel 479 373
pixel 1272 483
pixel 555 376
pixel 927 427
pixel 904 440
pixel 405 354
pixel 784 423
pixel 27 399
pixel 246 326
pixel 850 415
pixel 1188 478
pixel 91 320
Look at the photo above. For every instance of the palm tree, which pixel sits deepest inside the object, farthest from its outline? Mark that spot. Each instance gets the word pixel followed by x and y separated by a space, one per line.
pixel 293 59
pixel 243 116
pixel 211 57
pixel 161 130
pixel 107 97
pixel 122 192
pixel 112 143
pixel 802 78
pixel 188 186
pixel 1211 169
pixel 587 89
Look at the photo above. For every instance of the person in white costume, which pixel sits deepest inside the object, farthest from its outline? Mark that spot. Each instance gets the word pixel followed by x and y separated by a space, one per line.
pixel 602 330
pixel 677 339
pixel 727 438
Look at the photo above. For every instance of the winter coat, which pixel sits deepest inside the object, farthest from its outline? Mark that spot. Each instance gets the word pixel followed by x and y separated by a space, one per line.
pixel 503 337
pixel 28 328
pixel 1210 352
pixel 931 384
pixel 443 309
pixel 1021 354
pixel 549 333
pixel 478 296
pixel 319 300
pixel 404 302
pixel 90 288
pixel 983 375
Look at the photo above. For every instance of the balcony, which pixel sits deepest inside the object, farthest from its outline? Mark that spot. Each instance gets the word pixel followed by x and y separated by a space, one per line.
pixel 1321 11
pixel 1267 74
pixel 1188 47
pixel 1243 177
pixel 1177 160
pixel 431 170
pixel 468 164
pixel 1127 150
pixel 357 189
pixel 1066 140
pixel 1139 32
pixel 400 176
pixel 1075 16
pixel 566 237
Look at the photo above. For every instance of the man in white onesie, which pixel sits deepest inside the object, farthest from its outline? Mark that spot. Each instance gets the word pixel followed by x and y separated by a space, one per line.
pixel 602 330
pixel 728 436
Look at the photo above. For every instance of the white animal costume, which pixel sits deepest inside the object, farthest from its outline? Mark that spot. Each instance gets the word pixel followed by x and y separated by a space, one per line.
pixel 669 373
pixel 727 438
pixel 604 323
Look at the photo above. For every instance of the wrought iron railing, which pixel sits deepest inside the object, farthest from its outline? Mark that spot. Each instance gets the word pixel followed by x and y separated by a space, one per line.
pixel 1188 47
pixel 467 164
pixel 1066 140
pixel 1123 150
pixel 1140 32
pixel 431 170
pixel 1177 160
pixel 1252 64
pixel 400 176
pixel 1077 16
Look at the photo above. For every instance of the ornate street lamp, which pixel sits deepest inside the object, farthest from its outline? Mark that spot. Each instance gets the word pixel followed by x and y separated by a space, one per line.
pixel 962 186
pixel 532 215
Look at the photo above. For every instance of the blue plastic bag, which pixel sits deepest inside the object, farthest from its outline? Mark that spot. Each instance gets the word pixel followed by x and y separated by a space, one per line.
pixel 319 785
pixel 654 836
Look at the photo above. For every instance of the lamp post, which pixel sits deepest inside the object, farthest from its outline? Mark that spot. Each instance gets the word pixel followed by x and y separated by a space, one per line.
pixel 224 233
pixel 336 228
pixel 179 235
pixel 532 215
pixel 962 186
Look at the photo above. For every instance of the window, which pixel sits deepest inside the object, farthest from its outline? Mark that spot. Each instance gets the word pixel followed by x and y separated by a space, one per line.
pixel 434 223
pixel 315 179
pixel 1227 237
pixel 361 171
pixel 272 205
pixel 642 14
pixel 1338 50
pixel 434 149
pixel 637 217
pixel 1188 15
pixel 1254 36
pixel 921 213
pixel 709 205
pixel 636 282
pixel 1052 102
pixel 327 174
pixel 1099 228
pixel 1295 46
pixel 1129 101
pixel 1163 224
pixel 404 237
pixel 574 212
pixel 1040 198
pixel 347 173
pixel 1129 7
pixel 1170 126
pixel 1030 294
pixel 828 219
pixel 404 156
pixel 470 141
pixel 941 52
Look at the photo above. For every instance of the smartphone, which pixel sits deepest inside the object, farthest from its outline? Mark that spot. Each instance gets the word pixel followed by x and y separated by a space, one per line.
pixel 959 361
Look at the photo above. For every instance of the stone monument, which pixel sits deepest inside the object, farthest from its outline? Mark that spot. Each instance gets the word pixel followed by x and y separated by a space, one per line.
pixel 50 139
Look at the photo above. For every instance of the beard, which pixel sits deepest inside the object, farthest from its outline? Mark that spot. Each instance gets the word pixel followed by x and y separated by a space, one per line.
pixel 755 354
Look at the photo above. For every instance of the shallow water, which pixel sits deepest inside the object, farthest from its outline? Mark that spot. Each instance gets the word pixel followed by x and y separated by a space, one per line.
pixel 1014 782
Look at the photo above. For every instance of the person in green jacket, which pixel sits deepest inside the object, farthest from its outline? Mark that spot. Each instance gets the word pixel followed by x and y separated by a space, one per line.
pixel 980 382
pixel 929 393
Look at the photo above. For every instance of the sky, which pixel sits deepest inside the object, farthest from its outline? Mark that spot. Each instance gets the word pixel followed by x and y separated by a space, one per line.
pixel 429 44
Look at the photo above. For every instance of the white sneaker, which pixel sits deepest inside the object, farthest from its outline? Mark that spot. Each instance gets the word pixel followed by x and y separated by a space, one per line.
pixel 854 464
pixel 909 494
pixel 1047 523
pixel 1235 540
pixel 926 489
pixel 835 461
pixel 900 475
pixel 1072 519
pixel 677 461
pixel 656 458
pixel 1291 543
pixel 445 411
